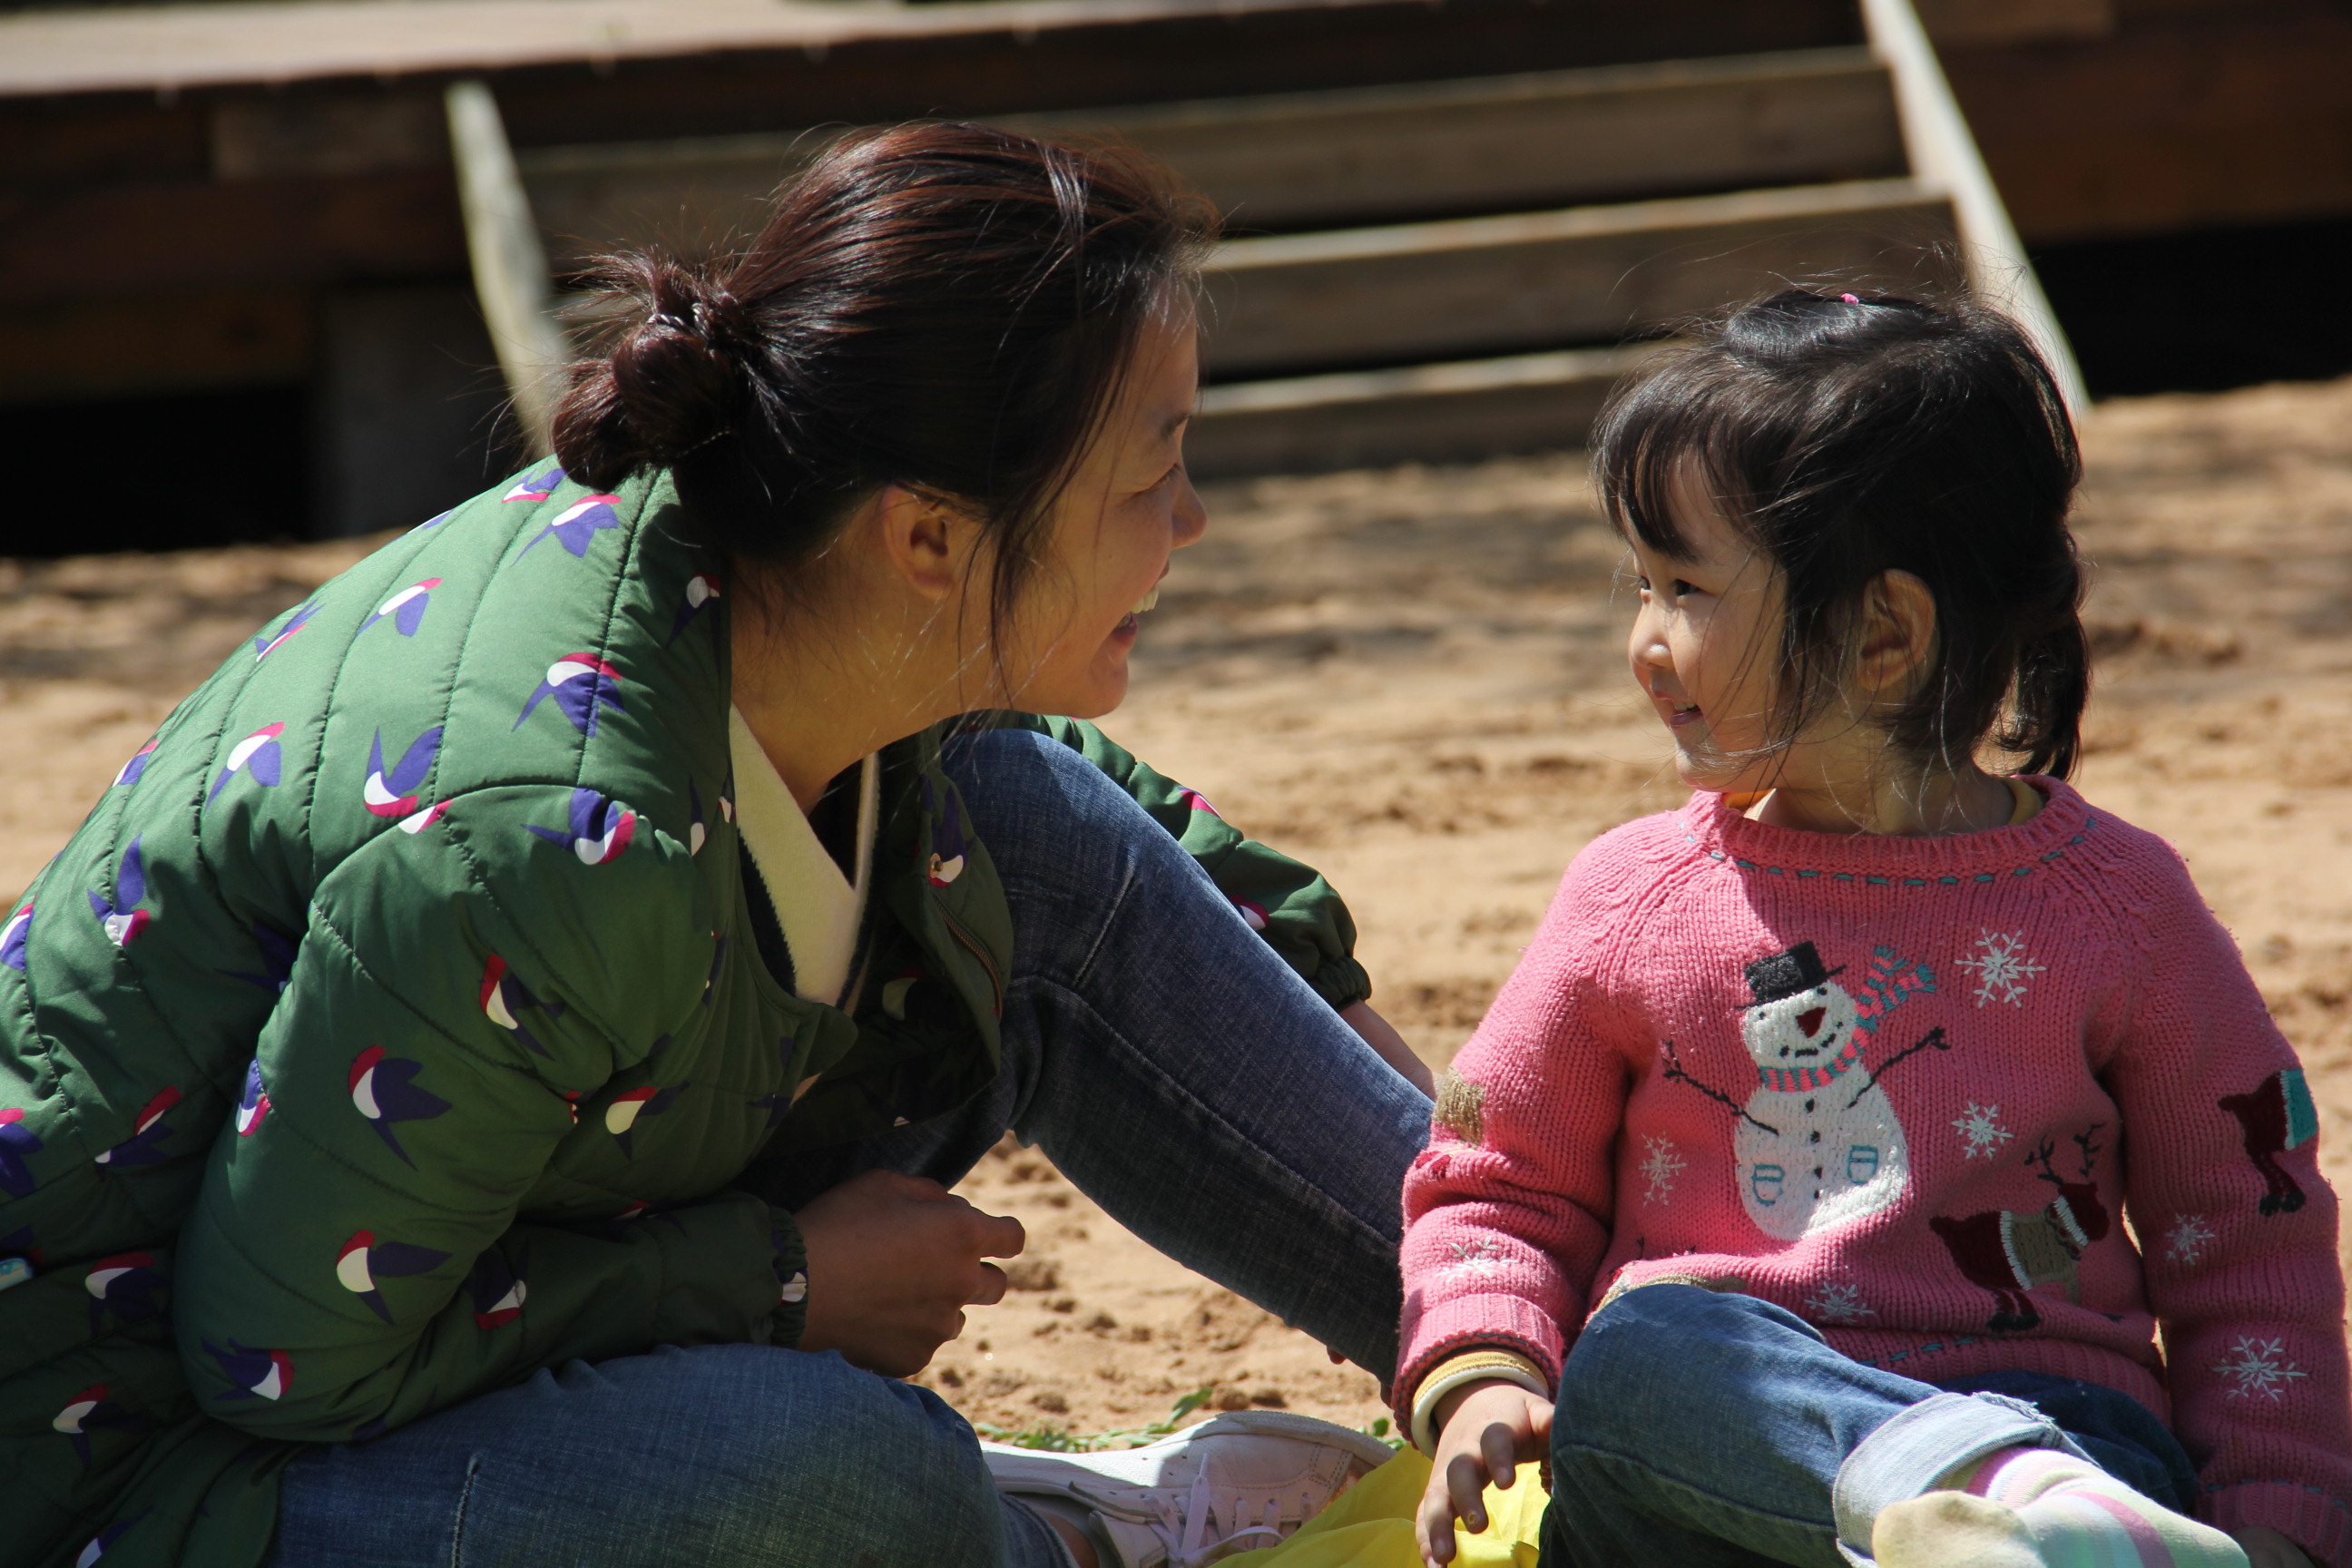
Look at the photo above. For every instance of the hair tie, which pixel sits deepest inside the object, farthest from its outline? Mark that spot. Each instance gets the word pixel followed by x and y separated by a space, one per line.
pixel 700 320
pixel 1849 299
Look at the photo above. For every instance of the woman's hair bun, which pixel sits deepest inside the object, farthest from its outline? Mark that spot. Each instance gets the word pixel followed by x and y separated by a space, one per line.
pixel 668 385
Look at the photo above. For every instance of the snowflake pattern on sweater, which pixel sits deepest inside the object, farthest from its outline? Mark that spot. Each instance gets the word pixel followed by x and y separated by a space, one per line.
pixel 2088 1050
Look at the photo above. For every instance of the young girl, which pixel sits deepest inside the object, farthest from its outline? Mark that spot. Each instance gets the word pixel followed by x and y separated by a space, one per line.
pixel 1821 1185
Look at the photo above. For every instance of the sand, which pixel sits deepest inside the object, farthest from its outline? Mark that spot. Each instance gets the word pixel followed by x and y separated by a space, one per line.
pixel 1413 679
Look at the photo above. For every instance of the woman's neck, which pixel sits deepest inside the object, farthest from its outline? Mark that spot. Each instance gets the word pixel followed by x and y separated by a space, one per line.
pixel 819 692
pixel 1918 803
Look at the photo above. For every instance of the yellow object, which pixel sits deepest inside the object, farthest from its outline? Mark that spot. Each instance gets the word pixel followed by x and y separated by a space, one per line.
pixel 1370 1525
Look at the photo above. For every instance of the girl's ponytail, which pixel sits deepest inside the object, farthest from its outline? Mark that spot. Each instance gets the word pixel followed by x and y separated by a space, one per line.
pixel 2053 683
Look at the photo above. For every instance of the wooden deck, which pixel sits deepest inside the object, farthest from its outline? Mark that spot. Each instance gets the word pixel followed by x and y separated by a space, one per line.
pixel 216 195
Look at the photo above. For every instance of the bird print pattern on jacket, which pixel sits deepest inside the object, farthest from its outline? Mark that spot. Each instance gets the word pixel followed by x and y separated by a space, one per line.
pixel 414 879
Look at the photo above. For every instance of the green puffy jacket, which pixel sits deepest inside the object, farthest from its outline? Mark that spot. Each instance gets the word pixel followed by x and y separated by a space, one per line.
pixel 397 1023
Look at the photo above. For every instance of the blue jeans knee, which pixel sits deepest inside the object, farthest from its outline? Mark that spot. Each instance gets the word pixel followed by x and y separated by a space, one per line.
pixel 1644 1355
pixel 730 1456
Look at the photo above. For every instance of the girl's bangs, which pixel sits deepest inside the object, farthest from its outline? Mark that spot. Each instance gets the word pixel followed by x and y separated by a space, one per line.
pixel 1675 421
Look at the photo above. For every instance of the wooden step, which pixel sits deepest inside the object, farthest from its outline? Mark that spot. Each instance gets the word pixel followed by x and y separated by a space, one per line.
pixel 1477 287
pixel 1451 412
pixel 1295 161
pixel 1519 144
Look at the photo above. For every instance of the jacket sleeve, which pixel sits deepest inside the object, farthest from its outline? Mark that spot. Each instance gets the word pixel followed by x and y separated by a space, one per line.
pixel 353 1259
pixel 1290 904
pixel 2238 1230
pixel 1509 1210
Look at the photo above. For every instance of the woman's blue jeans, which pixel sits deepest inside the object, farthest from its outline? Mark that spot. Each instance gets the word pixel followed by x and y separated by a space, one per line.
pixel 1176 1071
pixel 1718 1431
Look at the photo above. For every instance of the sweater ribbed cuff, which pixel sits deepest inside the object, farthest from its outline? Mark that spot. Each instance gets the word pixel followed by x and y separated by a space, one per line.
pixel 1486 1321
pixel 2313 1520
pixel 1485 1365
pixel 791 1315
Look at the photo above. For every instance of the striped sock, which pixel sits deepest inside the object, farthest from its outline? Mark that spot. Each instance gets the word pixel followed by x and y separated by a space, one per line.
pixel 2042 1507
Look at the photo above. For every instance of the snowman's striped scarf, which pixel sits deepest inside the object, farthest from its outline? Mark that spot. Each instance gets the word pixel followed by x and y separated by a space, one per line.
pixel 1788 1080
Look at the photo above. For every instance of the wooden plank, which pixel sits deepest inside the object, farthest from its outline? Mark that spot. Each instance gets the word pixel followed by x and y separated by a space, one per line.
pixel 1434 414
pixel 182 48
pixel 407 407
pixel 319 133
pixel 1517 142
pixel 1483 286
pixel 510 265
pixel 1944 155
pixel 2202 119
pixel 116 240
pixel 1222 54
pixel 1962 23
pixel 57 353
pixel 1349 155
pixel 60 144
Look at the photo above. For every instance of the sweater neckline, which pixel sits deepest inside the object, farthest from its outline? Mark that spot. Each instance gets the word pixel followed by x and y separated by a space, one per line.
pixel 1719 831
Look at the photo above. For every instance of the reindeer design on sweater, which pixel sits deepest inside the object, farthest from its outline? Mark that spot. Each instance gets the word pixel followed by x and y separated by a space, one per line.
pixel 2010 1252
pixel 2276 1116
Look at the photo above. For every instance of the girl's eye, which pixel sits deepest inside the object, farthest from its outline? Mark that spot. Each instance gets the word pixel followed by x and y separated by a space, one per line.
pixel 1682 590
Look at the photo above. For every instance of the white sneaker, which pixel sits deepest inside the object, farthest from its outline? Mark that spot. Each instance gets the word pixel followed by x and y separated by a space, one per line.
pixel 1232 1484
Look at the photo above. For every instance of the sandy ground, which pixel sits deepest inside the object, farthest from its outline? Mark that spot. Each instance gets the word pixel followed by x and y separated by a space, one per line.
pixel 1412 679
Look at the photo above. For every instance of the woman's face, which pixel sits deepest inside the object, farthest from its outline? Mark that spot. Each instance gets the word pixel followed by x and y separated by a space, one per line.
pixel 1127 507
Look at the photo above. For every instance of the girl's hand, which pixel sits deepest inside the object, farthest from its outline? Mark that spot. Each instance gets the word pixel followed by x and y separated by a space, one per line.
pixel 1486 1431
pixel 893 1260
pixel 2266 1548
pixel 1381 1036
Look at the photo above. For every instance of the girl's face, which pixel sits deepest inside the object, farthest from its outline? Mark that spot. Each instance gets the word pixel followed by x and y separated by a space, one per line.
pixel 1704 646
pixel 1127 507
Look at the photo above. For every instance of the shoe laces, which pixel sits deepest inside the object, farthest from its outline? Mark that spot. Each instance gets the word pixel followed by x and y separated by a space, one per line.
pixel 1197 1537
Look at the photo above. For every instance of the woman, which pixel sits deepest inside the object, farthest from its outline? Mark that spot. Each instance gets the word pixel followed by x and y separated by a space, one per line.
pixel 480 1086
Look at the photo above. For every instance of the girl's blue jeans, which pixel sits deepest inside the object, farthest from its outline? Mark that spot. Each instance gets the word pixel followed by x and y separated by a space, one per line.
pixel 1718 1431
pixel 1176 1071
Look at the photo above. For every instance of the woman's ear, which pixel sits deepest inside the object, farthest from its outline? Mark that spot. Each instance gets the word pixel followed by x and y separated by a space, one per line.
pixel 924 540
pixel 1899 635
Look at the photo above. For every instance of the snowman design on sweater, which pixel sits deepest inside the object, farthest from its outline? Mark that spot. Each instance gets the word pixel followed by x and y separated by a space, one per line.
pixel 1817 1141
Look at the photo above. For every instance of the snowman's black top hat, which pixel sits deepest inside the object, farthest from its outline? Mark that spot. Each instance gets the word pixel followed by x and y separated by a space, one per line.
pixel 1790 974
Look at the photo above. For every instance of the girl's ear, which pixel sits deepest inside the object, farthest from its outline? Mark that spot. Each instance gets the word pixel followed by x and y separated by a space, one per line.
pixel 922 537
pixel 1899 635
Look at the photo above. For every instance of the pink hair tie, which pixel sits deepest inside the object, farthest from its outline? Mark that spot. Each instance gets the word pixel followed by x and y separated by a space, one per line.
pixel 1849 299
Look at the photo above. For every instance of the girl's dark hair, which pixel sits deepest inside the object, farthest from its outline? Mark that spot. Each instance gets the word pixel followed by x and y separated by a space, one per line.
pixel 1852 435
pixel 951 307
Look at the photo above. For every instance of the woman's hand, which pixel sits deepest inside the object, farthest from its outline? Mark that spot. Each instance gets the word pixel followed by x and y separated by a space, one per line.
pixel 1379 1034
pixel 893 1260
pixel 1486 1431
pixel 2266 1548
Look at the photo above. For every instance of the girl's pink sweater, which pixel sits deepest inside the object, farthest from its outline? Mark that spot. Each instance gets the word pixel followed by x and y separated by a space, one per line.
pixel 2002 1100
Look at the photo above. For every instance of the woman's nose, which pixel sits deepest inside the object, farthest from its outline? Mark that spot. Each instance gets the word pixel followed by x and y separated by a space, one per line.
pixel 1190 518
